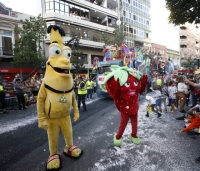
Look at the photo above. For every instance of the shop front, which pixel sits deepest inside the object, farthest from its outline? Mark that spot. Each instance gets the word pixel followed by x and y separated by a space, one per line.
pixel 8 74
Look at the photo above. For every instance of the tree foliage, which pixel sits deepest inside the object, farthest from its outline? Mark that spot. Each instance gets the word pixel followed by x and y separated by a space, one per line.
pixel 189 63
pixel 77 61
pixel 182 11
pixel 28 50
pixel 115 39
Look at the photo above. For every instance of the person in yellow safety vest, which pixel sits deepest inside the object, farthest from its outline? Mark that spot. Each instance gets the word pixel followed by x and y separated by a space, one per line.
pixel 158 81
pixel 90 87
pixel 2 98
pixel 82 91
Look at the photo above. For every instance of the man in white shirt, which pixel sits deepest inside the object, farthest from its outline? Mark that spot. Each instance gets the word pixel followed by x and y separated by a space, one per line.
pixel 181 95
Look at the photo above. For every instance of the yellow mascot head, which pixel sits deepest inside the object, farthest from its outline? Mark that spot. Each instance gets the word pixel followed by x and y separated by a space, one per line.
pixel 58 65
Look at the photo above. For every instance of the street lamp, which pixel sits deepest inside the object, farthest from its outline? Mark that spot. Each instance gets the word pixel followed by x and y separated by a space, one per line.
pixel 118 22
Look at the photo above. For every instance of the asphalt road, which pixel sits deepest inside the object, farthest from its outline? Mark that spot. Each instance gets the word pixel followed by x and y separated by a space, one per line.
pixel 16 144
pixel 163 148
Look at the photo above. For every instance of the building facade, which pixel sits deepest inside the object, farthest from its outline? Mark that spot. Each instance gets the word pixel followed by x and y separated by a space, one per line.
pixel 189 42
pixel 159 50
pixel 89 19
pixel 136 20
pixel 85 19
pixel 173 56
pixel 9 20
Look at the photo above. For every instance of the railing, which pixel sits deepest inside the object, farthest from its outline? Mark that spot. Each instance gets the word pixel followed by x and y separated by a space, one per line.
pixel 100 3
pixel 83 33
pixel 5 51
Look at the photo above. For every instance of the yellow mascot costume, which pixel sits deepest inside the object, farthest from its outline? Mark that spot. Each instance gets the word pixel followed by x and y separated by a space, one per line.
pixel 56 99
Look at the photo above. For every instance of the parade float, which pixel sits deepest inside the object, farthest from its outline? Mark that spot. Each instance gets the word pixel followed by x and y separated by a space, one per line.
pixel 113 55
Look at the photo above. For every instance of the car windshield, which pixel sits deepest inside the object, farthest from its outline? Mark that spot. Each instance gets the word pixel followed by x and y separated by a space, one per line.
pixel 107 69
pixel 104 69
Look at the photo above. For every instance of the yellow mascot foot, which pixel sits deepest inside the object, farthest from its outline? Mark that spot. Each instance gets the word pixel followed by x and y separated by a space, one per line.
pixel 54 162
pixel 73 152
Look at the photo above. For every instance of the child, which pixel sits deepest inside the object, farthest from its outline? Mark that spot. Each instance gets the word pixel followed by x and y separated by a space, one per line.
pixel 151 102
pixel 164 95
pixel 158 99
pixel 172 95
pixel 192 122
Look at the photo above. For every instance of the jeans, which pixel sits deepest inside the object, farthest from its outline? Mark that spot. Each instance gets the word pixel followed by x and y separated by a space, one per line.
pixel 21 101
pixel 89 93
pixel 163 99
pixel 194 99
pixel 2 101
pixel 81 98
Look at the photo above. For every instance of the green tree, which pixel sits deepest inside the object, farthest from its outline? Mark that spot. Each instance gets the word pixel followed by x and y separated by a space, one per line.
pixel 77 61
pixel 183 11
pixel 116 38
pixel 27 49
pixel 189 63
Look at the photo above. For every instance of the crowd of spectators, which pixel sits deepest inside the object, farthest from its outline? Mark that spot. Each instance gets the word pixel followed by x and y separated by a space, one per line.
pixel 23 92
pixel 178 93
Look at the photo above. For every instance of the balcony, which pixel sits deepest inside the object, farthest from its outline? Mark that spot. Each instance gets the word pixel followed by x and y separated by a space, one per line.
pixel 109 8
pixel 183 42
pixel 77 21
pixel 184 50
pixel 183 27
pixel 87 37
pixel 183 33
pixel 6 52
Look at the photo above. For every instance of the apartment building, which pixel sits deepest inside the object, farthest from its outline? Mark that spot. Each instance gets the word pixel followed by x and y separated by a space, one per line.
pixel 9 20
pixel 88 19
pixel 136 18
pixel 189 41
pixel 85 19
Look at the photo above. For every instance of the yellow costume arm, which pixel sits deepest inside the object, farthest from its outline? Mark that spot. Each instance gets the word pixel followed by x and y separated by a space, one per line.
pixel 74 104
pixel 42 120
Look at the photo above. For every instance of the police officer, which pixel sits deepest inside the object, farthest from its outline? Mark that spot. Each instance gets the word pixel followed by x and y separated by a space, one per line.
pixel 82 91
pixel 2 98
pixel 90 86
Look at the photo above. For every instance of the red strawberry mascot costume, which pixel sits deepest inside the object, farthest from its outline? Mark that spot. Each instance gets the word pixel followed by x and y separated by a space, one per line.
pixel 124 85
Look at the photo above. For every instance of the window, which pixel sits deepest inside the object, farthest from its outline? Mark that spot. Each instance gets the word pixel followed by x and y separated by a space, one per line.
pixel 134 17
pixel 51 5
pixel 111 21
pixel 62 7
pixel 131 30
pixel 124 13
pixel 6 43
pixel 147 35
pixel 57 6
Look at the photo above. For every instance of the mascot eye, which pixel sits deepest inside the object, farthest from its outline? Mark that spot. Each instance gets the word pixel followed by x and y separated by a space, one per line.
pixel 54 51
pixel 127 84
pixel 67 53
pixel 135 83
